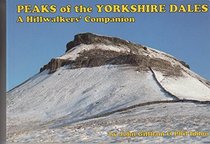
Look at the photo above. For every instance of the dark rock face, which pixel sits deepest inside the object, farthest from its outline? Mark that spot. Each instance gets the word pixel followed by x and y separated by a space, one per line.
pixel 89 38
pixel 97 57
pixel 54 64
pixel 185 64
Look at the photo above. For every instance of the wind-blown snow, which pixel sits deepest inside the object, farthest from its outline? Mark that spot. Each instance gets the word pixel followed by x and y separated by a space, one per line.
pixel 185 87
pixel 80 93
pixel 175 117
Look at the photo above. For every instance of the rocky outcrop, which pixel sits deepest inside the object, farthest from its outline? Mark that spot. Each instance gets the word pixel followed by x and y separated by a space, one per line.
pixel 89 38
pixel 137 55
pixel 97 57
pixel 185 64
pixel 54 64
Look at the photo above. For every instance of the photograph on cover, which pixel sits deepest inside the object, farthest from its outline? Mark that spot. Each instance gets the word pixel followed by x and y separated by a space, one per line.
pixel 108 71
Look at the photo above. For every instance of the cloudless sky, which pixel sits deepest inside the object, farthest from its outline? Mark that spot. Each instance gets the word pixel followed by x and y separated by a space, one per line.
pixel 183 35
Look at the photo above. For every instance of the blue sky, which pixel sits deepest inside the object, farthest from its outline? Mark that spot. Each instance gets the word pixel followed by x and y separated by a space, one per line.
pixel 30 46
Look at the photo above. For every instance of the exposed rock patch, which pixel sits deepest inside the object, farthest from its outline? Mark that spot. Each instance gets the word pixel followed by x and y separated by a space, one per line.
pixel 89 38
pixel 54 64
pixel 97 57
pixel 185 64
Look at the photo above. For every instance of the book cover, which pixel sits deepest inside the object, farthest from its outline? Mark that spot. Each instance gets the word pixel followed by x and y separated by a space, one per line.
pixel 107 71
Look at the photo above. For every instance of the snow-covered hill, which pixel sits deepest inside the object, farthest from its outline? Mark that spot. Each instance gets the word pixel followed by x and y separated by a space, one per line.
pixel 104 84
